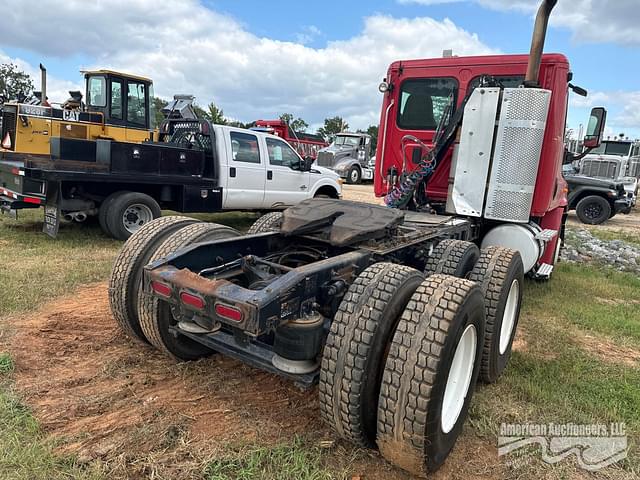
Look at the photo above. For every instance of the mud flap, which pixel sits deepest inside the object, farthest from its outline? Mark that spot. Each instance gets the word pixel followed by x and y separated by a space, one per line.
pixel 52 210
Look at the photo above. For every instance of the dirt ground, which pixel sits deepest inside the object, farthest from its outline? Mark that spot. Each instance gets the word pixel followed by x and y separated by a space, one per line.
pixel 103 396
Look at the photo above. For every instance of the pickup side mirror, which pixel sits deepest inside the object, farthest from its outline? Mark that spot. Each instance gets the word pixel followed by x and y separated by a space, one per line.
pixel 595 128
pixel 305 164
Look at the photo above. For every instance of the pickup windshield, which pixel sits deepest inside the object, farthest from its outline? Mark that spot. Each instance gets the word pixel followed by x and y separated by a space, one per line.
pixel 347 140
pixel 613 148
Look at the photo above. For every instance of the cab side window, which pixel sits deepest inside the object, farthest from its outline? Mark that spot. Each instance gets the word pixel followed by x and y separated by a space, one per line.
pixel 136 105
pixel 507 81
pixel 281 154
pixel 97 91
pixel 423 102
pixel 116 99
pixel 245 147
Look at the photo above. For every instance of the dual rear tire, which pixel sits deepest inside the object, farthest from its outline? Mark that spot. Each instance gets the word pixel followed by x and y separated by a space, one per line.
pixel 123 213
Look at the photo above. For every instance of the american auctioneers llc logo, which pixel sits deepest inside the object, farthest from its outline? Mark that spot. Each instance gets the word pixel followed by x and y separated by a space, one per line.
pixel 595 446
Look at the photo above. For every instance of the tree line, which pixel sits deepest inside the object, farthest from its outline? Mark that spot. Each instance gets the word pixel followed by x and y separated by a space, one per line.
pixel 16 84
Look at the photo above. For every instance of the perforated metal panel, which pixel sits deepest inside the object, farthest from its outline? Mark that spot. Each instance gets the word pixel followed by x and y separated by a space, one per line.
pixel 521 126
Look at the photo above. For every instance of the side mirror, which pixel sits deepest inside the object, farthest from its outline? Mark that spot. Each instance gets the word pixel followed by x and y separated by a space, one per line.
pixel 305 164
pixel 595 128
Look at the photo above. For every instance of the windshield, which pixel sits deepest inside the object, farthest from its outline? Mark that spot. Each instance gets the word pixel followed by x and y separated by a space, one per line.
pixel 613 148
pixel 347 140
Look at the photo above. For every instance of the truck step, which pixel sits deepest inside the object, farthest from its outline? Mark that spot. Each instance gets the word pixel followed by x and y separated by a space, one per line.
pixel 544 271
pixel 546 235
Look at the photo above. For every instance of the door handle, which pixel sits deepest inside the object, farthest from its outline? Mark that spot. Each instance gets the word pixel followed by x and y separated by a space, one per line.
pixel 303 187
pixel 269 174
pixel 232 171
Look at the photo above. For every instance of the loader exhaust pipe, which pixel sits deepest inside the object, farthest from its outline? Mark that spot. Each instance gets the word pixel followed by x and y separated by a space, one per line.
pixel 537 42
pixel 43 81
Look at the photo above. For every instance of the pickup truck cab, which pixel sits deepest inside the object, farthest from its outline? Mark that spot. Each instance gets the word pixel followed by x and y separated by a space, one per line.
pixel 197 167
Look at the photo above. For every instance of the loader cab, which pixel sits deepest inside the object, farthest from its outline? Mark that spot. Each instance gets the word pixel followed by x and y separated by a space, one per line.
pixel 123 100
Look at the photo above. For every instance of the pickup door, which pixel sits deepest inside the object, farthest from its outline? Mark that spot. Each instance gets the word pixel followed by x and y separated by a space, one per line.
pixel 246 171
pixel 286 185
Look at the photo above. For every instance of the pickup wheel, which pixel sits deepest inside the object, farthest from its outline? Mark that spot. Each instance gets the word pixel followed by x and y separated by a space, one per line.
pixel 269 222
pixel 355 350
pixel 453 257
pixel 104 208
pixel 354 175
pixel 500 274
pixel 593 210
pixel 128 212
pixel 126 276
pixel 430 373
pixel 155 315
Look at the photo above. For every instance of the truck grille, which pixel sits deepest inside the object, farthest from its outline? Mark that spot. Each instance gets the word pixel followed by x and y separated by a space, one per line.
pixel 600 168
pixel 325 159
pixel 9 117
pixel 634 168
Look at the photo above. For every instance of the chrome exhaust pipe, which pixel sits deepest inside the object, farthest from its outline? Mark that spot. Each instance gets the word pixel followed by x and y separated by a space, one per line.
pixel 537 42
pixel 43 87
pixel 80 217
pixel 68 217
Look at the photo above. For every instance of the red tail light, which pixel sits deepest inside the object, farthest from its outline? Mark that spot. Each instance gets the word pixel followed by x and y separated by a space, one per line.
pixel 161 289
pixel 230 313
pixel 192 300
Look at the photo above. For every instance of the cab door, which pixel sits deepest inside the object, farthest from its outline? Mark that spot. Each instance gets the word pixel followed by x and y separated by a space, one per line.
pixel 246 172
pixel 286 185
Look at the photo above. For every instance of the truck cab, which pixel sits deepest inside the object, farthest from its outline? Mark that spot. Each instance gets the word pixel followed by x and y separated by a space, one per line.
pixel 348 156
pixel 420 95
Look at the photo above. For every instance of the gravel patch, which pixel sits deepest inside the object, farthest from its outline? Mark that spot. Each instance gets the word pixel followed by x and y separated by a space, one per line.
pixel 582 247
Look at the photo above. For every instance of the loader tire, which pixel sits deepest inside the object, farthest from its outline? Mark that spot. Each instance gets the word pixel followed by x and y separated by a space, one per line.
pixel 130 211
pixel 126 275
pixel 104 208
pixel 453 257
pixel 354 353
pixel 430 373
pixel 155 315
pixel 500 274
pixel 269 222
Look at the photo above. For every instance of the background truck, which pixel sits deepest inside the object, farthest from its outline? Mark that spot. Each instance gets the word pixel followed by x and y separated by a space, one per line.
pixel 614 160
pixel 199 167
pixel 348 156
pixel 306 144
pixel 395 312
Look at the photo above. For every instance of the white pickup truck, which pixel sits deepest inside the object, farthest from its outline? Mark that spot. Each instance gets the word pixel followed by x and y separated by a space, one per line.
pixel 197 167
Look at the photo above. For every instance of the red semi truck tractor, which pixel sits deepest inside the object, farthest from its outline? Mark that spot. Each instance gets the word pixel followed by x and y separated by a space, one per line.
pixel 509 177
pixel 306 144
pixel 394 312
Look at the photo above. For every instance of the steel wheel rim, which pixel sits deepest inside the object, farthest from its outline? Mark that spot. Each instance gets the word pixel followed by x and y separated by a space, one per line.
pixel 135 216
pixel 509 316
pixel 354 175
pixel 459 378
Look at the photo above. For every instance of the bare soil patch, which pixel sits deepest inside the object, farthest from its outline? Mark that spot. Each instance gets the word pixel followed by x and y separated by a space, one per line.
pixel 608 350
pixel 104 397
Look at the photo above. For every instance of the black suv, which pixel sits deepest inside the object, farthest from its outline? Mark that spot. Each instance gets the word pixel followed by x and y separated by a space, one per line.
pixel 595 200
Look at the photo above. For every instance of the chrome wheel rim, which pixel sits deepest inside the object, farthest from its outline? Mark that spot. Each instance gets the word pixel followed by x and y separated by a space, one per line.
pixel 509 316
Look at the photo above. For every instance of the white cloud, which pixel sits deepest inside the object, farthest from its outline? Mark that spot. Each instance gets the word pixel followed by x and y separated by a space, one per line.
pixel 590 20
pixel 187 48
pixel 623 110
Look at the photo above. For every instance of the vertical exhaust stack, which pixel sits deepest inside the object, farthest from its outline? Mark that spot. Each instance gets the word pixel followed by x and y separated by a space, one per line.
pixel 537 42
pixel 43 81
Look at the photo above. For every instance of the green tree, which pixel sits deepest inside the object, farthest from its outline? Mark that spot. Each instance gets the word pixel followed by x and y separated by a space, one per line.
pixel 331 127
pixel 13 82
pixel 373 131
pixel 213 113
pixel 157 104
pixel 297 125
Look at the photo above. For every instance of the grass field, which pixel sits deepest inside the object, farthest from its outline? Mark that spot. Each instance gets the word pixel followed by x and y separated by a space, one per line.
pixel 577 360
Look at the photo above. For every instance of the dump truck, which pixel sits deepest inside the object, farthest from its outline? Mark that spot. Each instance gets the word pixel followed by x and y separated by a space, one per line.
pixel 397 312
pixel 306 144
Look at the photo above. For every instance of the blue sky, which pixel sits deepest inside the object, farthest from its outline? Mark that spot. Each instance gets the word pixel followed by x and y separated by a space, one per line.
pixel 602 48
